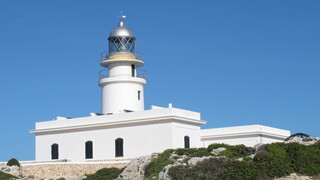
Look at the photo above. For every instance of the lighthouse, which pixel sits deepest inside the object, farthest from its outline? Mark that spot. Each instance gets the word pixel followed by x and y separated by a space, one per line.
pixel 122 83
pixel 125 129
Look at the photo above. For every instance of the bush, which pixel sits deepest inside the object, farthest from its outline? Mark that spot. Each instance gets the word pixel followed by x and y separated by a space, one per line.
pixel 240 150
pixel 13 162
pixel 270 161
pixel 215 146
pixel 193 152
pixel 215 168
pixel 105 174
pixel 5 176
pixel 236 151
pixel 158 163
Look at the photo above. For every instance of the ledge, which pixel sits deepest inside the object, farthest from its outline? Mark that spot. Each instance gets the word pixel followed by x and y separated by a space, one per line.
pixel 123 119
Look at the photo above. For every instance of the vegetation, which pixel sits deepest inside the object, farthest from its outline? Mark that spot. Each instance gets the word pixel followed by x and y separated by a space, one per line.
pixel 235 162
pixel 13 162
pixel 171 155
pixel 105 174
pixel 272 160
pixel 158 163
pixel 5 176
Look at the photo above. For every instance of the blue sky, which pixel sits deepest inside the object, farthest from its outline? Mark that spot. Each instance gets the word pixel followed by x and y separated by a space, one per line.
pixel 236 62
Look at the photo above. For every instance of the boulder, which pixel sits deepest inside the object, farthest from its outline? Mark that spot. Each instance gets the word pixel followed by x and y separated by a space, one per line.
pixel 14 170
pixel 163 175
pixel 294 176
pixel 218 150
pixel 193 161
pixel 305 141
pixel 136 168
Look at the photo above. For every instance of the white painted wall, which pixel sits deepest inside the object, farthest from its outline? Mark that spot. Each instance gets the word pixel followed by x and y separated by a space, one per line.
pixel 120 90
pixel 247 141
pixel 143 133
pixel 247 135
pixel 117 96
pixel 139 140
pixel 179 131
pixel 119 69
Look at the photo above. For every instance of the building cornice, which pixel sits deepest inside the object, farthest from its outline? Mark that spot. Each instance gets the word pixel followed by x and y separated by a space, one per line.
pixel 242 134
pixel 131 122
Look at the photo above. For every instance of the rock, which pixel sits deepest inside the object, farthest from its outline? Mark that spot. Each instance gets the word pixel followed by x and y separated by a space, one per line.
pixel 163 175
pixel 259 147
pixel 136 168
pixel 218 150
pixel 193 161
pixel 305 141
pixel 14 170
pixel 294 176
pixel 5 169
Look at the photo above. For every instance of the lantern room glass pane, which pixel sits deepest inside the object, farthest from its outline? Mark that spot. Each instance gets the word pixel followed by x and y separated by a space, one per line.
pixel 119 45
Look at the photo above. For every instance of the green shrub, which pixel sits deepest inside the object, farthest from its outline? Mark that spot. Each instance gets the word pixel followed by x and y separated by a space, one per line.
pixel 240 150
pixel 193 152
pixel 247 159
pixel 304 159
pixel 5 176
pixel 227 153
pixel 13 162
pixel 206 169
pixel 105 174
pixel 270 161
pixel 236 151
pixel 61 178
pixel 200 152
pixel 215 168
pixel 158 163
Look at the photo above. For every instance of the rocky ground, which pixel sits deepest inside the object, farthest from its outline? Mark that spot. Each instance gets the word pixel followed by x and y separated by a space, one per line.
pixel 136 169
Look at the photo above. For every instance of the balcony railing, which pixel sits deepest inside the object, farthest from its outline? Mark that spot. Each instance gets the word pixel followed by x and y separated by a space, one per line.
pixel 139 73
pixel 105 56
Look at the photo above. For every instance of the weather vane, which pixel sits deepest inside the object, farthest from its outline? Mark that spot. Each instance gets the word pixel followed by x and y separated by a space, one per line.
pixel 121 16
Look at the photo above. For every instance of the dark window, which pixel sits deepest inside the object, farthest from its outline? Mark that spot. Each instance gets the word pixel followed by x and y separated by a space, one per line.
pixel 119 147
pixel 133 67
pixel 89 150
pixel 139 92
pixel 54 151
pixel 186 142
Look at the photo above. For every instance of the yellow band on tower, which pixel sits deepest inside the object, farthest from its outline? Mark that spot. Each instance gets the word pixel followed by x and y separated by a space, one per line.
pixel 122 56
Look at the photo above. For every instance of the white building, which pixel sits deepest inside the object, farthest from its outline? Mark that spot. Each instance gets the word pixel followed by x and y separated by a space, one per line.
pixel 124 129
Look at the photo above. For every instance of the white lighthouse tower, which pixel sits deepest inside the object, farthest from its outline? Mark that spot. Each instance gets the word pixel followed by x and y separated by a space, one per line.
pixel 122 83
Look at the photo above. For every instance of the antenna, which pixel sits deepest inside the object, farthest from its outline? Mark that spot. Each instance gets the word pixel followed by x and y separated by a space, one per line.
pixel 122 16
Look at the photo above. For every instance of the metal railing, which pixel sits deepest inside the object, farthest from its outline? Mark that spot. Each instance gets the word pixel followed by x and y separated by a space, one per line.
pixel 139 74
pixel 105 56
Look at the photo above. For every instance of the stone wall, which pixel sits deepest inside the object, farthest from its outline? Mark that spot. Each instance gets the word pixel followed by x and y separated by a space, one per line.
pixel 2 164
pixel 67 169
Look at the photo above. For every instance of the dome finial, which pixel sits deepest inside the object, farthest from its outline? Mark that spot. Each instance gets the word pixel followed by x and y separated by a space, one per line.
pixel 121 17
